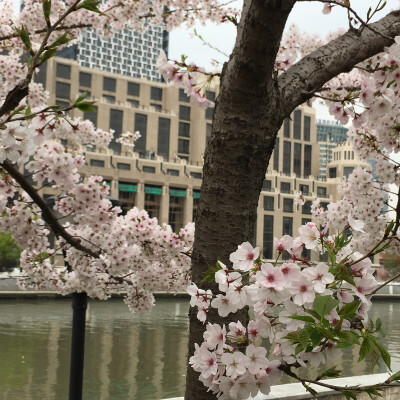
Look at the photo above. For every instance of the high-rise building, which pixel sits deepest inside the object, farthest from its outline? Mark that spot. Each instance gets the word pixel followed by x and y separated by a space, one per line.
pixel 329 135
pixel 127 52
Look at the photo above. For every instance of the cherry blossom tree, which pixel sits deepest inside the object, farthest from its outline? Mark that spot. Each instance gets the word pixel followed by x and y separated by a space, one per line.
pixel 267 76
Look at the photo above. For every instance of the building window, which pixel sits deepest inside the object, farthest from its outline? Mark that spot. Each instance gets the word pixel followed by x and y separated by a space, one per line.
pixel 116 118
pixel 157 107
pixel 209 113
pixel 63 71
pixel 268 236
pixel 183 146
pixel 287 226
pixel 307 159
pixel 124 166
pixel 332 173
pixel 173 172
pixel 276 155
pixel 97 163
pixel 307 128
pixel 267 185
pixel 297 124
pixel 287 157
pixel 196 175
pixel 91 116
pixel 304 189
pixel 297 159
pixel 184 113
pixel 175 215
pixel 269 203
pixel 156 93
pixel 321 191
pixel 127 194
pixel 163 137
pixel 152 200
pixel 40 75
pixel 133 89
pixel 288 205
pixel 109 84
pixel 85 79
pixel 141 126
pixel 208 133
pixel 63 90
pixel 183 96
pixel 285 187
pixel 109 99
pixel 149 170
pixel 133 103
pixel 184 129
pixel 347 171
pixel 286 128
pixel 306 208
pixel 306 253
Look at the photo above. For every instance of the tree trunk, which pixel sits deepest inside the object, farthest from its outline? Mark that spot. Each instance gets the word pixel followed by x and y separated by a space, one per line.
pixel 249 111
pixel 242 140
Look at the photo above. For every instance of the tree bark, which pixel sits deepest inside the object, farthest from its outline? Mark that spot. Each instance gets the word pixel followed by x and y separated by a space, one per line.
pixel 249 111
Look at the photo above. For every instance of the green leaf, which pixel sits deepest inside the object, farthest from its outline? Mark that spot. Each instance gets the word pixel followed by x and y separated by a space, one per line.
pixel 41 256
pixel 91 5
pixel 366 348
pixel 47 55
pixel 23 34
pixel 328 334
pixel 47 10
pixel 394 377
pixel 63 39
pixel 391 83
pixel 324 305
pixel 383 352
pixel 389 227
pixel 373 391
pixel 316 337
pixel 349 310
pixel 378 324
pixel 310 389
pixel 85 106
pixel 349 395
pixel 313 313
pixel 349 337
pixel 330 373
pixel 210 273
pixel 81 97
pixel 303 335
pixel 304 318
pixel 28 110
pixel 382 248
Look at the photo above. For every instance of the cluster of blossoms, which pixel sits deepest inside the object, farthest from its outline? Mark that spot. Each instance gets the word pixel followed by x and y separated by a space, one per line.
pixel 186 77
pixel 306 312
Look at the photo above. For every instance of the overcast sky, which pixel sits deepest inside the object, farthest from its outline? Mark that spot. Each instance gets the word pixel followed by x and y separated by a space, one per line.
pixel 307 15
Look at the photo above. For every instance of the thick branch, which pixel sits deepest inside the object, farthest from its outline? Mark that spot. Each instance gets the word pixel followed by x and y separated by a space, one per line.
pixel 47 213
pixel 340 55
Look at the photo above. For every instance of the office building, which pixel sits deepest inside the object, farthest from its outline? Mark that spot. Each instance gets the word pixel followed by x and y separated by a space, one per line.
pixel 163 172
pixel 127 52
pixel 329 135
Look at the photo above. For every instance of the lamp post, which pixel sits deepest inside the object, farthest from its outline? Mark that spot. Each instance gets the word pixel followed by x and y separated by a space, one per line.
pixel 79 306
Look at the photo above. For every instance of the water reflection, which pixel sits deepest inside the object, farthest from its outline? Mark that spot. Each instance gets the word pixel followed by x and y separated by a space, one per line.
pixel 128 356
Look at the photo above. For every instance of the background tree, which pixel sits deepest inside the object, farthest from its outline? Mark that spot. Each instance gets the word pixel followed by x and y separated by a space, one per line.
pixel 9 253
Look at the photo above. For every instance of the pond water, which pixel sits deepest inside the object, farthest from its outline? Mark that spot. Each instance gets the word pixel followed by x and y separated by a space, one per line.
pixel 128 356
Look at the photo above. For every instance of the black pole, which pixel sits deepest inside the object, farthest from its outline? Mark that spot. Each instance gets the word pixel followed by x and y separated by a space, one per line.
pixel 79 304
